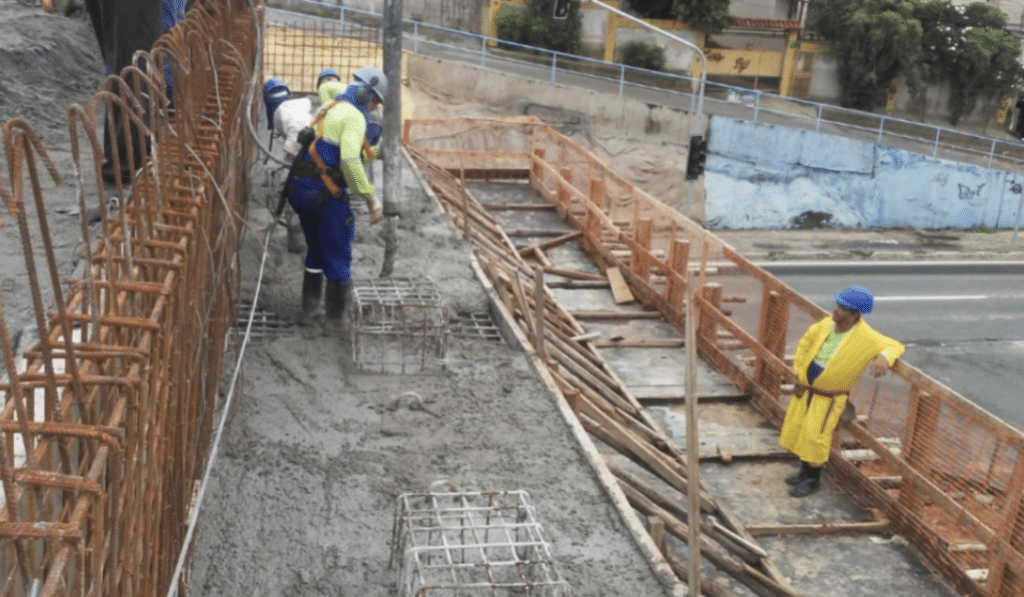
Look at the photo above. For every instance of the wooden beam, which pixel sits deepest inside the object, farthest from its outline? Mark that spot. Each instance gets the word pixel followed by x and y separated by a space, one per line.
pixel 573 274
pixel 615 315
pixel 831 528
pixel 760 455
pixel 641 343
pixel 544 246
pixel 518 206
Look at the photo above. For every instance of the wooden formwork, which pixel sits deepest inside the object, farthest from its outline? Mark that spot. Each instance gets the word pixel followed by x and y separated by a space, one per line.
pixel 948 476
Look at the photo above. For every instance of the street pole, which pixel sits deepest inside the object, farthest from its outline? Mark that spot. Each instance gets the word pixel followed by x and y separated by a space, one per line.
pixel 695 120
pixel 392 143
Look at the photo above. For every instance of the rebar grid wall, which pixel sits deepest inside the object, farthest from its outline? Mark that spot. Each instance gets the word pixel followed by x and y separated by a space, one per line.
pixel 299 46
pixel 947 475
pixel 475 543
pixel 106 431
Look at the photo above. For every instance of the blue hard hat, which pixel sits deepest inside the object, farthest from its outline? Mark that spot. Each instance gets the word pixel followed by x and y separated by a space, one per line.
pixel 275 92
pixel 857 298
pixel 327 72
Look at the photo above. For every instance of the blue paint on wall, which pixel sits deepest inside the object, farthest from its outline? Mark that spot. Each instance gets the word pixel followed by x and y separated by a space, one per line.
pixel 764 176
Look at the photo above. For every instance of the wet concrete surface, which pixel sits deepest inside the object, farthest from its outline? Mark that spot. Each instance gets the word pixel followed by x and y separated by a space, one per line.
pixel 752 489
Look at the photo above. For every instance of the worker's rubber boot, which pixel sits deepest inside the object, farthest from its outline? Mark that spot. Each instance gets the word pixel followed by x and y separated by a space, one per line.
pixel 312 290
pixel 336 300
pixel 809 485
pixel 797 477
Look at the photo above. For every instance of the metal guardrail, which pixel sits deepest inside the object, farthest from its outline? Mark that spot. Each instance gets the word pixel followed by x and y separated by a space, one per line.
pixel 677 90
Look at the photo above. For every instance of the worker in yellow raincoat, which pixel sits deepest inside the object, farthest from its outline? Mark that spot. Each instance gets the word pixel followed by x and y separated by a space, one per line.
pixel 829 359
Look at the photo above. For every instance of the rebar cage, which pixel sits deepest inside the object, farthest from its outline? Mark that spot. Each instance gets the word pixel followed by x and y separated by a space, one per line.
pixel 399 325
pixel 465 544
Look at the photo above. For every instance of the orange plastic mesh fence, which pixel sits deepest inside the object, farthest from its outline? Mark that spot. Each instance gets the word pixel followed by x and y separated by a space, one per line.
pixel 106 427
pixel 947 475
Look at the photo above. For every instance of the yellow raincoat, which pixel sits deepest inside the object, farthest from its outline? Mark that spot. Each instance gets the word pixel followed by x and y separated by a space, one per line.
pixel 807 430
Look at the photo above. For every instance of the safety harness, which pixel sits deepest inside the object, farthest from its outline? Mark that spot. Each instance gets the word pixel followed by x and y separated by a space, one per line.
pixel 333 179
pixel 329 175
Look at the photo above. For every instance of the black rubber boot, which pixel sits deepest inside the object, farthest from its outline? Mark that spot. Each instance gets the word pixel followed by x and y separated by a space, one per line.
pixel 809 485
pixel 797 477
pixel 312 290
pixel 336 300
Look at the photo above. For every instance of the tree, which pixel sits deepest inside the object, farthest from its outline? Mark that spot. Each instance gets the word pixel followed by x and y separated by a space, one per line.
pixel 708 16
pixel 560 35
pixel 876 41
pixel 966 47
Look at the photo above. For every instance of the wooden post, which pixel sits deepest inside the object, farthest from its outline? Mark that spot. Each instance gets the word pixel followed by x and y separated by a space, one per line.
pixel 564 196
pixel 572 396
pixel 675 281
pixel 538 319
pixel 692 443
pixel 656 529
pixel 712 293
pixel 536 170
pixel 597 193
pixel 772 335
pixel 642 229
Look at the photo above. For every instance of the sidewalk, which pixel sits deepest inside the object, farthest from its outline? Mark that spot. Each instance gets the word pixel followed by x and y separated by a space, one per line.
pixel 887 245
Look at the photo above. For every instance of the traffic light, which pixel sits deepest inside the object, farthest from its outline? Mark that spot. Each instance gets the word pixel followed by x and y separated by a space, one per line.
pixel 561 9
pixel 696 158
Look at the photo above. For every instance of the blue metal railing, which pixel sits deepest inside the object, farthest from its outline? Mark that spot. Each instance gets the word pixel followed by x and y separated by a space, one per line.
pixel 677 90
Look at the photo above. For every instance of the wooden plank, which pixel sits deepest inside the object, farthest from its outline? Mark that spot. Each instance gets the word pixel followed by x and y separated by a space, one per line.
pixel 754 455
pixel 874 527
pixel 491 173
pixel 579 284
pixel 641 343
pixel 573 274
pixel 548 244
pixel 704 399
pixel 615 315
pixel 620 290
pixel 518 206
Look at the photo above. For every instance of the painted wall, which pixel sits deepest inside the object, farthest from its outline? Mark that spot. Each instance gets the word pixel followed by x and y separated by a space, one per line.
pixel 764 176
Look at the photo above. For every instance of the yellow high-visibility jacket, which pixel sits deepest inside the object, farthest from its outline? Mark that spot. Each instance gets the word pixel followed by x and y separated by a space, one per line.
pixel 807 430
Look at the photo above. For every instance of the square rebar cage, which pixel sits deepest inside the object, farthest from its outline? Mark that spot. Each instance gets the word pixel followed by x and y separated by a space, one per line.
pixel 469 544
pixel 399 325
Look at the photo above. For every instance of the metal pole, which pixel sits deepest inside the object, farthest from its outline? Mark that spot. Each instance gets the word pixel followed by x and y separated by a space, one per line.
pixel 392 143
pixel 695 122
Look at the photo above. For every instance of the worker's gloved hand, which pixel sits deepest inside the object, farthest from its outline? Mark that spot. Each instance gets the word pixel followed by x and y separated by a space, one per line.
pixel 376 211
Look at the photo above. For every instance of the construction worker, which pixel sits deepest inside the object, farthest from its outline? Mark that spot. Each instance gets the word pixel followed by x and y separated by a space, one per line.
pixel 829 359
pixel 122 27
pixel 326 176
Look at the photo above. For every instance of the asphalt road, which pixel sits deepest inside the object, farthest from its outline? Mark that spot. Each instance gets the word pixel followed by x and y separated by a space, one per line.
pixel 962 323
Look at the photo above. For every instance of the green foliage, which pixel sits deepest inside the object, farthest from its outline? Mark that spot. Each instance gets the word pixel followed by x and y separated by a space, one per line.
pixel 875 42
pixel 642 55
pixel 709 16
pixel 510 23
pixel 654 9
pixel 560 35
pixel 966 47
